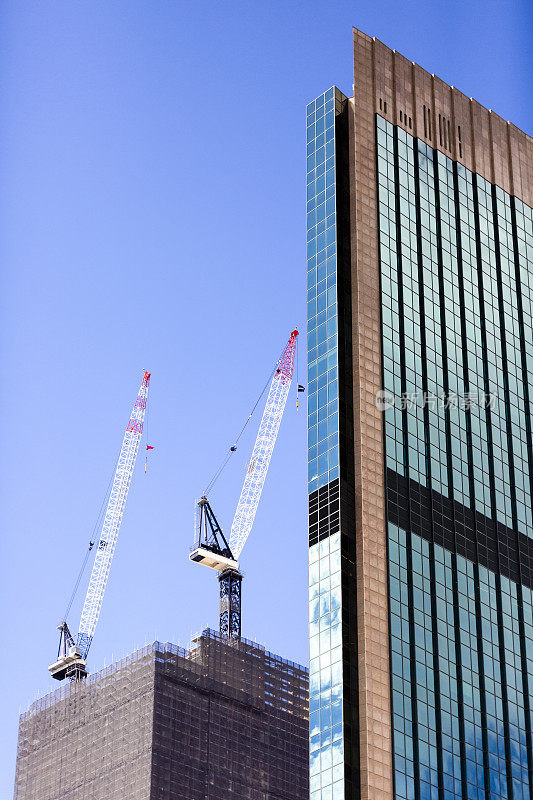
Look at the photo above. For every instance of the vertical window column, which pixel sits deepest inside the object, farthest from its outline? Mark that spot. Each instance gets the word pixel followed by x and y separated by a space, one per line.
pixel 451 319
pixel 390 312
pixel 432 337
pixel 520 755
pixel 423 566
pixel 474 344
pixel 322 291
pixel 499 471
pixel 451 733
pixel 414 389
pixel 509 315
pixel 522 241
pixel 325 600
pixel 402 700
pixel 470 677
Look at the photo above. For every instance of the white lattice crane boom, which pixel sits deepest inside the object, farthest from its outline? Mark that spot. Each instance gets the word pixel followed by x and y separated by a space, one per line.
pixel 212 548
pixel 72 664
pixel 263 448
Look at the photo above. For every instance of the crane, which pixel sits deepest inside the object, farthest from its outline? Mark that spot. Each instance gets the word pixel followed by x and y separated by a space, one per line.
pixel 212 548
pixel 72 653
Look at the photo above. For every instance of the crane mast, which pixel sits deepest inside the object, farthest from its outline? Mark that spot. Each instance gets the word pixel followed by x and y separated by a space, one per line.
pixel 71 661
pixel 212 549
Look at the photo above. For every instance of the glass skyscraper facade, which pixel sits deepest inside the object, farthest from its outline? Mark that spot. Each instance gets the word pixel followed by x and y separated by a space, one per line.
pixel 420 337
pixel 329 388
pixel 453 257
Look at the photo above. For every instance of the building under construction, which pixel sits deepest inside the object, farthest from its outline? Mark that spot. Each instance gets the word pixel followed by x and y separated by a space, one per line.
pixel 224 719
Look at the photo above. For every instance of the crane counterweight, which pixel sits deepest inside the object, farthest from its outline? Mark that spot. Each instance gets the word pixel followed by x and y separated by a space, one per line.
pixel 209 558
pixel 69 662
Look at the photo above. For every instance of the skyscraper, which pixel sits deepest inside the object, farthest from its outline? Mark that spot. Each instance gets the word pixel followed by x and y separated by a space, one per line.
pixel 224 719
pixel 420 336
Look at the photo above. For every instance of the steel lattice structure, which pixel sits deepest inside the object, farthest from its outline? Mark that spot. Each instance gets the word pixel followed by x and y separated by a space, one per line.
pixel 262 452
pixel 212 548
pixel 230 586
pixel 112 519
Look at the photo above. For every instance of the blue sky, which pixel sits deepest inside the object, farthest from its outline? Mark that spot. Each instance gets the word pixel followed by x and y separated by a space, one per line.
pixel 152 216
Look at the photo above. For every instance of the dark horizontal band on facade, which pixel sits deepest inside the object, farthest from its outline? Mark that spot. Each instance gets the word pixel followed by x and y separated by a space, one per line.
pixel 458 528
pixel 324 512
pixel 331 508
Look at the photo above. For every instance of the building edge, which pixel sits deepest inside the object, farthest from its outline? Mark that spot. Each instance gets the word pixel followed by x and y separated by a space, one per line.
pixel 375 732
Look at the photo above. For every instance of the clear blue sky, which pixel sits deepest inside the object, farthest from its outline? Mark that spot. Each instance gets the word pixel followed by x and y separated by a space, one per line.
pixel 152 215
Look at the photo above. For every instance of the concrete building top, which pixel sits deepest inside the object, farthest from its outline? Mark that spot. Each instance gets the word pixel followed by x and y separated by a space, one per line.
pixel 443 117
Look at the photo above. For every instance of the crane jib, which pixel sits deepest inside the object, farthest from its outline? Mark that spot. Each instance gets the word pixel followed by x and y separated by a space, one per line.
pixel 72 663
pixel 211 549
pixel 263 448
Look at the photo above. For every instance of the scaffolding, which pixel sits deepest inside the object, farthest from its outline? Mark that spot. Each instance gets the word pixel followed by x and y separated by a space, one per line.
pixel 222 719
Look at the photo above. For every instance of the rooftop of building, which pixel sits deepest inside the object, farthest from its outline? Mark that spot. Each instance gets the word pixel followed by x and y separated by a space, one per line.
pixel 208 654
pixel 359 32
pixel 440 115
